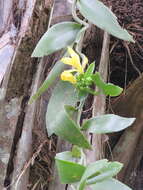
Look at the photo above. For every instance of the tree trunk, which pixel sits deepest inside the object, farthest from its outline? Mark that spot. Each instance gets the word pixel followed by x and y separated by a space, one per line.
pixel 128 149
pixel 22 23
pixel 29 20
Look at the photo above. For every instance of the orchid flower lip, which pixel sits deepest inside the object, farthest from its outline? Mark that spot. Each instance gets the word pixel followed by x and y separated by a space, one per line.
pixel 74 61
pixel 68 76
pixel 77 67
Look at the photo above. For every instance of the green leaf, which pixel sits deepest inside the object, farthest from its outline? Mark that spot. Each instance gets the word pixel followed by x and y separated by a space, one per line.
pixel 57 37
pixel 63 94
pixel 112 90
pixel 54 73
pixel 110 170
pixel 100 15
pixel 80 33
pixel 99 171
pixel 90 70
pixel 69 171
pixel 82 95
pixel 58 116
pixel 106 88
pixel 92 169
pixel 72 112
pixel 76 151
pixel 107 124
pixel 98 80
pixel 109 185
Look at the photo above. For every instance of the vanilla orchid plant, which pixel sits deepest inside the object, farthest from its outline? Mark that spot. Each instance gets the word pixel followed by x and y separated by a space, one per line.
pixel 63 116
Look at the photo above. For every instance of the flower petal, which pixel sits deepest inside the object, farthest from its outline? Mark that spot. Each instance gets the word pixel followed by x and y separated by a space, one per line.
pixel 76 64
pixel 73 53
pixel 67 61
pixel 73 62
pixel 68 76
pixel 85 62
pixel 76 60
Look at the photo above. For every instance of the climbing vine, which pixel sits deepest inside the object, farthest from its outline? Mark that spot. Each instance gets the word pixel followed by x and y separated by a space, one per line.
pixel 78 80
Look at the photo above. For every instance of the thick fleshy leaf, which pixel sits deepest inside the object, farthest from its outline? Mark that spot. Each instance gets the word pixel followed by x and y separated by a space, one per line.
pixel 98 80
pixel 112 90
pixel 100 15
pixel 110 170
pixel 99 171
pixel 90 70
pixel 107 124
pixel 54 73
pixel 76 151
pixel 92 170
pixel 69 171
pixel 82 95
pixel 109 185
pixel 57 37
pixel 106 88
pixel 58 116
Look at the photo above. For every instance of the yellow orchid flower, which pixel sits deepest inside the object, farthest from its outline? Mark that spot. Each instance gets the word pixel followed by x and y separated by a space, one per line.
pixel 74 61
pixel 68 76
pixel 85 62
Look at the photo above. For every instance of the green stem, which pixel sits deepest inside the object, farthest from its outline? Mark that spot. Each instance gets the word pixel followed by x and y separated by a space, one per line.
pixel 73 187
pixel 78 42
pixel 90 91
pixel 83 157
pixel 99 178
pixel 75 17
pixel 82 22
pixel 80 111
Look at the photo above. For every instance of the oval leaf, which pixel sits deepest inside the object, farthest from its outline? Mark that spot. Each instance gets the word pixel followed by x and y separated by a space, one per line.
pixel 110 170
pixel 112 90
pixel 92 169
pixel 98 80
pixel 106 88
pixel 76 151
pixel 54 73
pixel 90 70
pixel 58 116
pixel 107 124
pixel 109 185
pixel 57 37
pixel 69 171
pixel 100 15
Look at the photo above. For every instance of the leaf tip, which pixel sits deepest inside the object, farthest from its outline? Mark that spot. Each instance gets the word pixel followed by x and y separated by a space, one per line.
pixel 30 101
pixel 34 54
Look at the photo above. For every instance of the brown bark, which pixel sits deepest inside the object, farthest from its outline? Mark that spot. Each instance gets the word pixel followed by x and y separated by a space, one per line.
pixel 93 42
pixel 128 148
pixel 61 12
pixel 30 18
pixel 18 119
pixel 133 175
pixel 99 105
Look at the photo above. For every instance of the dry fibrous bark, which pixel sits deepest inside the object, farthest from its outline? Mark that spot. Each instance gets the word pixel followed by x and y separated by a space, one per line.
pixel 7 35
pixel 21 27
pixel 30 18
pixel 93 38
pixel 128 148
pixel 123 72
pixel 99 104
pixel 133 175
pixel 5 15
pixel 62 11
pixel 129 14
pixel 100 101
